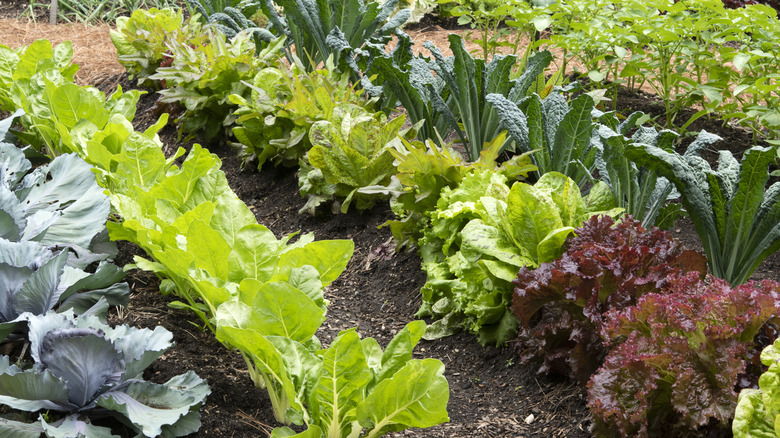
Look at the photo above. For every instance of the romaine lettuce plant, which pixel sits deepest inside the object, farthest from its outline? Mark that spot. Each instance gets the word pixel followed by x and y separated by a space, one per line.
pixel 86 370
pixel 757 409
pixel 482 233
pixel 350 151
pixel 735 215
pixel 561 304
pixel 675 358
pixel 141 40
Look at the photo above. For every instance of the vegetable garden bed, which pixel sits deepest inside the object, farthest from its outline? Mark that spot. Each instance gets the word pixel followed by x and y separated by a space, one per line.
pixel 490 393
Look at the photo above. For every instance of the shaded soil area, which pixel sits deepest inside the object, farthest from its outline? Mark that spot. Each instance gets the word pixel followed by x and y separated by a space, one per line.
pixel 492 395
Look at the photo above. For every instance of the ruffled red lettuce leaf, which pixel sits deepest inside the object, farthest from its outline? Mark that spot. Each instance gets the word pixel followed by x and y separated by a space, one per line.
pixel 606 266
pixel 696 335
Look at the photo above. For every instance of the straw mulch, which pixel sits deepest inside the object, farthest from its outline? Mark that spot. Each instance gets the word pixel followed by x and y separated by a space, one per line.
pixel 92 47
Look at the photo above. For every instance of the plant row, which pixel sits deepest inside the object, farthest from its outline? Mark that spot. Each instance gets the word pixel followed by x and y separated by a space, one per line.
pixel 258 294
pixel 689 53
pixel 581 304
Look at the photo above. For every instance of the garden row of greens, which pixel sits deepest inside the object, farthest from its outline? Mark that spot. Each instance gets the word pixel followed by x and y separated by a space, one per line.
pixel 258 294
pixel 54 253
pixel 476 226
pixel 688 53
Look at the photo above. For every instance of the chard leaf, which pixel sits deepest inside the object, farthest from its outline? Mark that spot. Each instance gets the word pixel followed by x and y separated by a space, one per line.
pixel 416 396
pixel 269 363
pixel 340 387
pixel 208 248
pixel 329 257
pixel 399 351
pixel 254 254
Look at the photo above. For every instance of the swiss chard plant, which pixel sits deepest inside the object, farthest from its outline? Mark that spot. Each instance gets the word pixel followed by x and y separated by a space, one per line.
pixel 676 357
pixel 482 233
pixel 350 151
pixel 274 120
pixel 561 304
pixel 735 215
pixel 202 78
pixel 352 388
pixel 20 65
pixel 84 370
pixel 757 408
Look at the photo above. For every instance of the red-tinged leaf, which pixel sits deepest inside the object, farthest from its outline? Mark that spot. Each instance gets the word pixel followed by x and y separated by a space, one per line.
pixel 697 336
pixel 606 266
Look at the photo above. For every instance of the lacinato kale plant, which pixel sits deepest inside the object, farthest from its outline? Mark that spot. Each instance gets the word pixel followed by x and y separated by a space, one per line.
pixel 561 304
pixel 676 357
pixel 735 214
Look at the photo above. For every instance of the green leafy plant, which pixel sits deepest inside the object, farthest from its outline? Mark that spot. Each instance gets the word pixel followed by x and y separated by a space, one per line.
pixel 756 412
pixel 321 30
pixel 345 388
pixel 55 107
pixel 141 40
pixel 425 169
pixel 350 151
pixel 202 78
pixel 482 233
pixel 273 122
pixel 735 215
pixel 84 369
pixel 19 66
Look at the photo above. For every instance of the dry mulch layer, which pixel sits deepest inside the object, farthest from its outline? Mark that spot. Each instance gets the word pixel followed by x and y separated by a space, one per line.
pixel 492 395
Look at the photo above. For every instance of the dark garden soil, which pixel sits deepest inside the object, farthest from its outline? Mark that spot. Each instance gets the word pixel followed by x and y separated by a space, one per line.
pixel 492 395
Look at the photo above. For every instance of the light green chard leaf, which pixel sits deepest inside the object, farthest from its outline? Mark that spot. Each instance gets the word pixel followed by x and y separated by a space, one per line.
pixel 416 396
pixel 340 387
